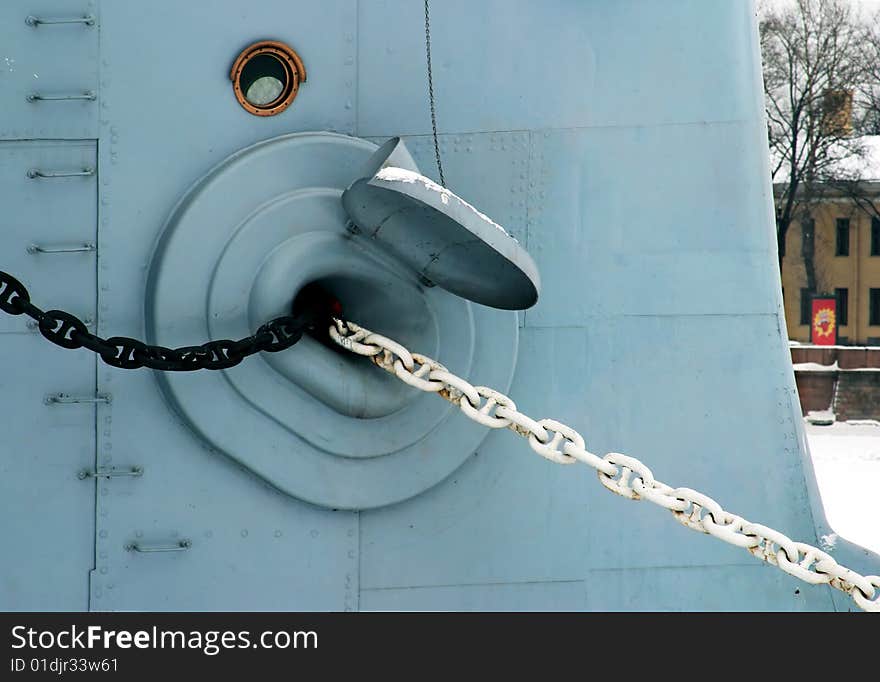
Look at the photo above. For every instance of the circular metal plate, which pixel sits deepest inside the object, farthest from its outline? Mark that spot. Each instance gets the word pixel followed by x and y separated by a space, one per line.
pixel 267 66
pixel 323 426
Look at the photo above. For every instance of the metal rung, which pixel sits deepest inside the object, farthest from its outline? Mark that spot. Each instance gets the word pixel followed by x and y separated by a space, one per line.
pixel 37 97
pixel 36 248
pixel 87 20
pixel 37 173
pixel 134 472
pixel 64 399
pixel 181 546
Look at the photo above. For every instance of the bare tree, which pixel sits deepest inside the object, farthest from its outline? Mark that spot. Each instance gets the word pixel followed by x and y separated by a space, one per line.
pixel 870 90
pixel 814 55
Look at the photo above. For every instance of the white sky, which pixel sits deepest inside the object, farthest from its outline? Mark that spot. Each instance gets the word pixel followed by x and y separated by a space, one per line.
pixel 870 6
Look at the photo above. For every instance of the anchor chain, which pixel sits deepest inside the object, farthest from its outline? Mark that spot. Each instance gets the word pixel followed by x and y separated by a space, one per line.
pixel 431 91
pixel 619 473
pixel 68 331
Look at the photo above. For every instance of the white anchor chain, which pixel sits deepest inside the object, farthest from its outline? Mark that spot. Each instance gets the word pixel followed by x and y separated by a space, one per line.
pixel 621 474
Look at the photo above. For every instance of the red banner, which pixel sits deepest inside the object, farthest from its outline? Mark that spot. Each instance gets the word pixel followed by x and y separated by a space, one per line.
pixel 823 321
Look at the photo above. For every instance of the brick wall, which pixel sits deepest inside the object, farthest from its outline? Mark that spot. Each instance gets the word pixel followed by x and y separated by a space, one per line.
pixel 815 390
pixel 858 395
pixel 858 392
pixel 847 357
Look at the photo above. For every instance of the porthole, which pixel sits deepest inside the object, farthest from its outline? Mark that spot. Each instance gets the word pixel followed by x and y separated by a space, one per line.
pixel 266 77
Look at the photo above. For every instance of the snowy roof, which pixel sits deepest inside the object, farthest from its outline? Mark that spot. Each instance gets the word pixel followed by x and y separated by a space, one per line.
pixel 867 168
pixel 864 168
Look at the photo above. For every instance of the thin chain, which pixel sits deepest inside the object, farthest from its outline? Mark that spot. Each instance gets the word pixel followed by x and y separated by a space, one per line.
pixel 621 474
pixel 68 331
pixel 431 92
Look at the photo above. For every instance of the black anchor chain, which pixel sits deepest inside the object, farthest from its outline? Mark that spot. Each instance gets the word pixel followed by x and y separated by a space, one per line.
pixel 68 331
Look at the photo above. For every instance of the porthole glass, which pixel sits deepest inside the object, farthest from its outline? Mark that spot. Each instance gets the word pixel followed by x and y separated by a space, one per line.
pixel 263 91
pixel 266 77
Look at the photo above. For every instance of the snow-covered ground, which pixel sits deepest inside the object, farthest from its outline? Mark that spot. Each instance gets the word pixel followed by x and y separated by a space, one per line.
pixel 846 457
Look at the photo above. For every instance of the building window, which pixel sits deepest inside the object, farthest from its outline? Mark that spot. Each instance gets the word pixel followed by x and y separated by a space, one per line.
pixel 875 236
pixel 874 307
pixel 808 231
pixel 842 243
pixel 842 306
pixel 806 312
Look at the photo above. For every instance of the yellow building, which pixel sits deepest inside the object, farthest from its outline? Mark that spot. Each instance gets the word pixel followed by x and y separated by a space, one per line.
pixel 846 262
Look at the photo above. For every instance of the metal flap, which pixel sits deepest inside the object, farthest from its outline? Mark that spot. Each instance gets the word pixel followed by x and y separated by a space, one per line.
pixel 442 237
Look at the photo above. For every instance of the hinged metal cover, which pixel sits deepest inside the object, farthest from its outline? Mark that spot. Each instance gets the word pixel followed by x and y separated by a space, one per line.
pixel 445 239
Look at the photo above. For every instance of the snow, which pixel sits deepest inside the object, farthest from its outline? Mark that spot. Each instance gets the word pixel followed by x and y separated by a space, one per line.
pixel 806 344
pixel 863 167
pixel 846 459
pixel 392 173
pixel 872 171
pixel 868 167
pixel 821 417
pixel 863 422
pixel 815 367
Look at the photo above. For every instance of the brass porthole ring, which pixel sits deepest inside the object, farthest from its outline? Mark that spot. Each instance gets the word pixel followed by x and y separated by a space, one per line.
pixel 266 77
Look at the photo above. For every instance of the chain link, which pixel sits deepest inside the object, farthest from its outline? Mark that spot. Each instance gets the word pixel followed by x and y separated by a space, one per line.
pixel 619 473
pixel 68 331
pixel 431 91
